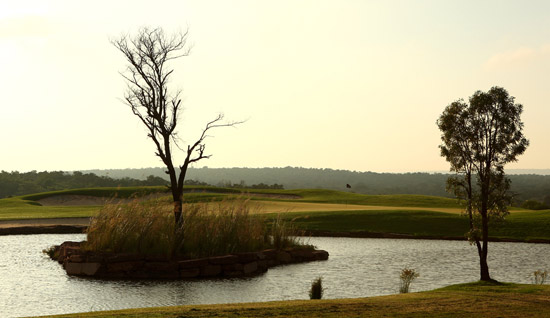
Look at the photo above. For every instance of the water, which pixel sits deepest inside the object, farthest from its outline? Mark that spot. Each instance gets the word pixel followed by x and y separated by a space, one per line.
pixel 32 284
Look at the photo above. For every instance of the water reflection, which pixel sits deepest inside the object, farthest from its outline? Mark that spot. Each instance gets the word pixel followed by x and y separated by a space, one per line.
pixel 31 284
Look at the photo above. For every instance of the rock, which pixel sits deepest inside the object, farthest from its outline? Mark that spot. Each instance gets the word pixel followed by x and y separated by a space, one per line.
pixel 211 270
pixel 193 263
pixel 302 254
pixel 272 262
pixel 124 266
pixel 76 258
pixel 262 265
pixel 250 268
pixel 270 254
pixel 247 257
pixel 233 274
pixel 320 255
pixel 73 268
pixel 90 269
pixel 223 260
pixel 124 257
pixel 190 273
pixel 161 266
pixel 232 267
pixel 284 257
pixel 165 274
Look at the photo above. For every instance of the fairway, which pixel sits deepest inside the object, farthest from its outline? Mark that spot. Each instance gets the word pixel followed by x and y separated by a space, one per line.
pixel 287 207
pixel 309 209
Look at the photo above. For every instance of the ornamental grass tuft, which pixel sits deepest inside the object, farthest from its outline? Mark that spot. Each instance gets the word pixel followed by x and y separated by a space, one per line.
pixel 209 229
pixel 407 276
pixel 317 290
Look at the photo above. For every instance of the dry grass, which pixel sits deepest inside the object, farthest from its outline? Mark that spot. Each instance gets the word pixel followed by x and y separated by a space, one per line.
pixel 470 300
pixel 209 229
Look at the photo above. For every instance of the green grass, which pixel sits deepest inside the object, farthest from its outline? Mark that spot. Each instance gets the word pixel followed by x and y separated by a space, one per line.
pixel 18 208
pixel 464 300
pixel 25 207
pixel 331 196
pixel 525 225
pixel 382 221
pixel 530 225
pixel 519 226
pixel 107 192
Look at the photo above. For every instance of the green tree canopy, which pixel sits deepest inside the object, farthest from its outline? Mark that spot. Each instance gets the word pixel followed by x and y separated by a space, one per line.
pixel 479 139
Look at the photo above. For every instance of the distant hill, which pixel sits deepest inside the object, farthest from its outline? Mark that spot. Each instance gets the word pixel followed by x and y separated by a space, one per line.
pixel 526 186
pixel 542 172
pixel 16 183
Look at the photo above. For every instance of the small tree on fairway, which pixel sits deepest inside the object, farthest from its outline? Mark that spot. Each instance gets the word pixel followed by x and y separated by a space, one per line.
pixel 158 107
pixel 479 138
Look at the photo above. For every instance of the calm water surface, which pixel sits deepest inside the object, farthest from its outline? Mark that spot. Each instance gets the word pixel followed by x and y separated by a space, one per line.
pixel 32 284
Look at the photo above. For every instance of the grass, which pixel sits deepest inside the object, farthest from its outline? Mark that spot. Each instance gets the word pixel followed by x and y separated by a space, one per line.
pixel 108 192
pixel 382 221
pixel 26 207
pixel 314 209
pixel 464 300
pixel 210 229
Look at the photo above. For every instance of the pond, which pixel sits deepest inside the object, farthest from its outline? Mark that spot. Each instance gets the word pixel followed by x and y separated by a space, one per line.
pixel 32 284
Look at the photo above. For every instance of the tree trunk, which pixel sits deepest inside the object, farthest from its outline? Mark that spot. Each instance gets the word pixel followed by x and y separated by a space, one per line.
pixel 178 208
pixel 484 268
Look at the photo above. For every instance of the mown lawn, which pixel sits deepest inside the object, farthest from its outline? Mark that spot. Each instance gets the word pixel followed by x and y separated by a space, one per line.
pixel 523 226
pixel 316 210
pixel 464 300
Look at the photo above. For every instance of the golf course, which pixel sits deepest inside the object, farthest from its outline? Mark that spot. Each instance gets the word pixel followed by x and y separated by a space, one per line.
pixel 316 211
pixel 325 213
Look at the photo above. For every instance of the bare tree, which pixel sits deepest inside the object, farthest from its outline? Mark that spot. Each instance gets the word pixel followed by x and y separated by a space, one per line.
pixel 147 75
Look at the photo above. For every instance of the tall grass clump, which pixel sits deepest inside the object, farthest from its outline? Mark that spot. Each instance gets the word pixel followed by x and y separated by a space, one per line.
pixel 224 227
pixel 407 276
pixel 540 276
pixel 209 229
pixel 135 227
pixel 283 234
pixel 317 290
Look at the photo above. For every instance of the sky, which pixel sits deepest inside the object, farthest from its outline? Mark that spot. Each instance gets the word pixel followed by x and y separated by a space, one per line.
pixel 342 84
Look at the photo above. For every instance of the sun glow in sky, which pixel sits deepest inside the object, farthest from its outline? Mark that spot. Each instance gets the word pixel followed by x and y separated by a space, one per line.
pixel 340 84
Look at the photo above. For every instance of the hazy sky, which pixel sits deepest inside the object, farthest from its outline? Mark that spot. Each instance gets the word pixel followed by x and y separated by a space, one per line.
pixel 343 84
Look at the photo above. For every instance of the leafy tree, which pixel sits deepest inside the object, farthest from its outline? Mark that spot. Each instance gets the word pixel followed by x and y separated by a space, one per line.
pixel 158 107
pixel 479 138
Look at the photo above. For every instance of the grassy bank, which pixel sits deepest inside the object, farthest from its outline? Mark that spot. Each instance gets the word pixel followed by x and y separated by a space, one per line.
pixel 465 300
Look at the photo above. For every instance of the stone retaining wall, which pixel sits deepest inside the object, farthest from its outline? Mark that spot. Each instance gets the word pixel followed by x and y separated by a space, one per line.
pixel 104 265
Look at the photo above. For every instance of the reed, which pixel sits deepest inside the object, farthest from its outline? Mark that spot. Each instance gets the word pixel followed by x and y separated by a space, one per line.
pixel 208 229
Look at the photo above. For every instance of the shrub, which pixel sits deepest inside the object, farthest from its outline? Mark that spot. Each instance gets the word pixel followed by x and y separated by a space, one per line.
pixel 209 229
pixel 407 277
pixel 317 290
pixel 539 277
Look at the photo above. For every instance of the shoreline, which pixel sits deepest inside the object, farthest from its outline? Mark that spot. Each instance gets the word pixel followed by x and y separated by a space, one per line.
pixel 79 225
pixel 366 234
